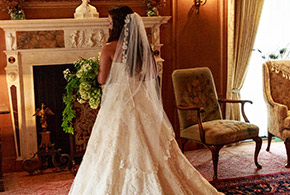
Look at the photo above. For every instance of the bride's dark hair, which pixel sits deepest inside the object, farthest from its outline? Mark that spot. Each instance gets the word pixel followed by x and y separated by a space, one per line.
pixel 118 15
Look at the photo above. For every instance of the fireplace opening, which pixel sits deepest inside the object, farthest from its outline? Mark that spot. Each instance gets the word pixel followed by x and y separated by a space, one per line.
pixel 49 87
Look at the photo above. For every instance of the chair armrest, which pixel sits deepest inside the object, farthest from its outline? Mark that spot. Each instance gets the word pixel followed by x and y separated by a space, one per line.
pixel 235 101
pixel 279 106
pixel 266 85
pixel 277 114
pixel 199 110
pixel 242 102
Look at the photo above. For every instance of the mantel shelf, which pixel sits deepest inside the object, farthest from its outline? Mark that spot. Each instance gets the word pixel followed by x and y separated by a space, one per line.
pixel 26 25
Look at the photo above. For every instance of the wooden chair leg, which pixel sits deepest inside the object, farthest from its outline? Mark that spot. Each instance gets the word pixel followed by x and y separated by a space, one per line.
pixel 215 158
pixel 183 144
pixel 270 135
pixel 287 145
pixel 258 141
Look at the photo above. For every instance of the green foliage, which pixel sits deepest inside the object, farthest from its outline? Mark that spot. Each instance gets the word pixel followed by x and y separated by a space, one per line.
pixel 153 5
pixel 83 87
pixel 282 53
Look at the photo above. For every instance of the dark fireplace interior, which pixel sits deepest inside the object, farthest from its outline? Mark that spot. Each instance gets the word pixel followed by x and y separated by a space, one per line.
pixel 49 87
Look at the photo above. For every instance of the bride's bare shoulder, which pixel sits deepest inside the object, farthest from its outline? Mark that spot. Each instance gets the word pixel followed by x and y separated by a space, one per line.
pixel 110 47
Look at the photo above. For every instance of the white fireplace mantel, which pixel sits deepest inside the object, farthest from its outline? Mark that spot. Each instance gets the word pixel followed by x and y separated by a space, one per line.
pixel 52 42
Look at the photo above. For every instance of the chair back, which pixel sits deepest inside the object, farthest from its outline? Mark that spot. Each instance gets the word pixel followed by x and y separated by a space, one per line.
pixel 277 81
pixel 195 87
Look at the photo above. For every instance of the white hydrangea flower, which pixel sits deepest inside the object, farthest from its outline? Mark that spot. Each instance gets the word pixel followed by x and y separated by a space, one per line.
pixel 99 56
pixel 66 74
pixel 66 71
pixel 92 58
pixel 93 103
pixel 85 86
pixel 85 96
pixel 81 101
pixel 79 73
pixel 86 67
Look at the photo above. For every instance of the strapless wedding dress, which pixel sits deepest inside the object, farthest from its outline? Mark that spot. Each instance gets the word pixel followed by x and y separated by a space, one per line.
pixel 121 158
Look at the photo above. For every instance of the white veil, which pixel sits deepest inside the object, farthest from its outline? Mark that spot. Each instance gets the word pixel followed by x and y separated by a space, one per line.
pixel 134 72
pixel 134 53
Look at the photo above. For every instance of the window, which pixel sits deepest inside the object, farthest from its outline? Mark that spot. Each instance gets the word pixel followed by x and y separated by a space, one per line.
pixel 272 35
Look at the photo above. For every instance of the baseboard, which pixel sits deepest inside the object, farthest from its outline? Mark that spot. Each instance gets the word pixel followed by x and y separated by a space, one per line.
pixel 11 165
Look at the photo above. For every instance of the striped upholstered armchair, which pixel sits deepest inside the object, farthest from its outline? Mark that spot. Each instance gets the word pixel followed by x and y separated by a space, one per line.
pixel 276 87
pixel 200 116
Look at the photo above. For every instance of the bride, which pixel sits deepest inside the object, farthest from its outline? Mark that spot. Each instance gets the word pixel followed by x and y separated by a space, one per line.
pixel 132 149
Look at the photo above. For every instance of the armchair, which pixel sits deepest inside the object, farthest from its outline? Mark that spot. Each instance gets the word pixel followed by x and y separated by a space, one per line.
pixel 276 89
pixel 200 116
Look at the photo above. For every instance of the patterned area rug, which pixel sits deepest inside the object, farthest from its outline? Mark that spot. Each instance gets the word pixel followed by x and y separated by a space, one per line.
pixel 277 183
pixel 238 160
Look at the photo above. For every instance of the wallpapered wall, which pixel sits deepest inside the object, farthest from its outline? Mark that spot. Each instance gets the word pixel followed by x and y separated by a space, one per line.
pixel 189 40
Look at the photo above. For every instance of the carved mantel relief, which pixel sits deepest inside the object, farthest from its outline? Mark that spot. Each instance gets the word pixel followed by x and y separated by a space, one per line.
pixel 87 38
pixel 53 42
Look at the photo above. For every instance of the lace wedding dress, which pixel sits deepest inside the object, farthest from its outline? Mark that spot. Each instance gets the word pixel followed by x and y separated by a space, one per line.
pixel 132 148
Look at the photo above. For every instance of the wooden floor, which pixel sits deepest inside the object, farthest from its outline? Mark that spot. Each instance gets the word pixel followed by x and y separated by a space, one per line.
pixel 15 181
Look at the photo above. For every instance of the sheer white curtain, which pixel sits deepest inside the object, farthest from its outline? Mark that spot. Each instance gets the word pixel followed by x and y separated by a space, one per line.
pixel 273 34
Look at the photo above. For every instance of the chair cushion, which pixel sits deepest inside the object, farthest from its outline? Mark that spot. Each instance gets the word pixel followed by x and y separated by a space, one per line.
pixel 219 132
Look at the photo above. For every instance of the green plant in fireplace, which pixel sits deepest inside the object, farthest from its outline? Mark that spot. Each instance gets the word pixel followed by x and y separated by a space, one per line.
pixel 82 86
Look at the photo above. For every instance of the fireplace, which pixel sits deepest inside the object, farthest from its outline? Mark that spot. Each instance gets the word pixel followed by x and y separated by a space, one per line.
pixel 49 87
pixel 33 44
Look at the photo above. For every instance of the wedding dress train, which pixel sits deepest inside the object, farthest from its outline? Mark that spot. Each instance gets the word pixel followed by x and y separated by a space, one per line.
pixel 121 159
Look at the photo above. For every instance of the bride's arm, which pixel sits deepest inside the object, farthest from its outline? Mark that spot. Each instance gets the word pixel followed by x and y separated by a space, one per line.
pixel 105 63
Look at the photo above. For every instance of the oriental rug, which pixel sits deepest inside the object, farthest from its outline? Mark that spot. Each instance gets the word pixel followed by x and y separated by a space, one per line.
pixel 277 183
pixel 238 160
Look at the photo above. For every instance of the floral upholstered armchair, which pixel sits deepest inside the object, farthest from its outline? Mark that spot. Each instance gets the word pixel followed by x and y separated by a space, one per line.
pixel 200 116
pixel 276 88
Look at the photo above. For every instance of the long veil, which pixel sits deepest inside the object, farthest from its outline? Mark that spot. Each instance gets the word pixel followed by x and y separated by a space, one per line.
pixel 134 71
